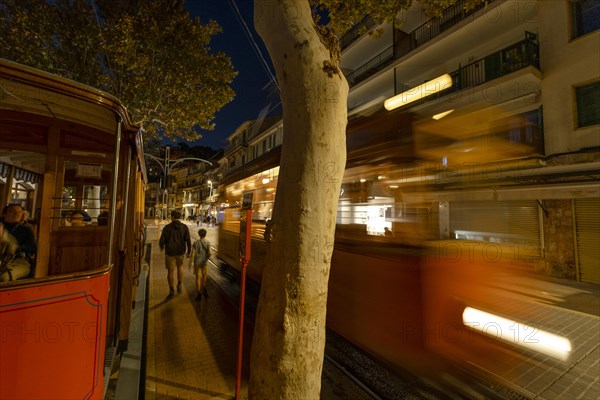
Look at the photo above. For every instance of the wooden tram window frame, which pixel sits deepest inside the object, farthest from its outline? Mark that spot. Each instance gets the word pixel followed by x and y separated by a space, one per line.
pixel 88 242
pixel 100 176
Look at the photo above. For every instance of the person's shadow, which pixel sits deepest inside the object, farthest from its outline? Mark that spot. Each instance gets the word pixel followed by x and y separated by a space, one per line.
pixel 163 302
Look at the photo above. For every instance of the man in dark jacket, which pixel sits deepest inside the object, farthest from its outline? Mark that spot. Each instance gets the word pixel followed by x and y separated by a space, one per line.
pixel 175 241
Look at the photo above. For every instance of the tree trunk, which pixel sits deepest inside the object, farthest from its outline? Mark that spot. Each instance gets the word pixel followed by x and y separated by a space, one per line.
pixel 289 334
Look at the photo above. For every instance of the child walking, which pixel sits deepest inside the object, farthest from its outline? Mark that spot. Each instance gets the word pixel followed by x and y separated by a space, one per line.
pixel 200 255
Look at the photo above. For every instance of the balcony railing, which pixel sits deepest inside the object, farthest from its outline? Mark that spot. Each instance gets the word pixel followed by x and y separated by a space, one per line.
pixel 354 33
pixel 421 35
pixel 510 59
pixel 372 66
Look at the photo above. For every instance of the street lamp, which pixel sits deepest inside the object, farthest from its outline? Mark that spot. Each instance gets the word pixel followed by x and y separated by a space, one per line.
pixel 210 190
pixel 167 166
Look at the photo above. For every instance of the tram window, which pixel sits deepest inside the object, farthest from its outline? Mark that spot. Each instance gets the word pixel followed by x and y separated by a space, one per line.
pixel 86 191
pixel 232 220
pixel 20 193
pixel 364 209
pixel 373 216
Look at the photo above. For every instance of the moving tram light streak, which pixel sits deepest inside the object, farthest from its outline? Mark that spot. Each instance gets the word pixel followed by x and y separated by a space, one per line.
pixel 514 332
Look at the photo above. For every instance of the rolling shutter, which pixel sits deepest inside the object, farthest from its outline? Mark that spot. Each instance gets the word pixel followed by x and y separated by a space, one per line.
pixel 587 237
pixel 497 221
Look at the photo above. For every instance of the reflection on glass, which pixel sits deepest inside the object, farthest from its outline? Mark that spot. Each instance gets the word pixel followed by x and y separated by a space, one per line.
pixel 69 196
pixel 94 199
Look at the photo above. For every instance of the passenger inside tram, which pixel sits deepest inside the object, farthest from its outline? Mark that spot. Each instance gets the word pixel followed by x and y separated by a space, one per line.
pixel 28 222
pixel 103 218
pixel 8 248
pixel 22 264
pixel 77 219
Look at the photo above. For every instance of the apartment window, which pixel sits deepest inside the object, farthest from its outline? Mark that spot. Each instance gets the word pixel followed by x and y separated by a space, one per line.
pixel 586 17
pixel 588 104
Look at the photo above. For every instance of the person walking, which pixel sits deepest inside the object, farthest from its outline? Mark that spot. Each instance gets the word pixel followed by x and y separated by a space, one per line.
pixel 200 255
pixel 175 241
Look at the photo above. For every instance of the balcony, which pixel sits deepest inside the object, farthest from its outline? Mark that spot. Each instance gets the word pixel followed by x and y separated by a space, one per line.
pixel 521 57
pixel 421 35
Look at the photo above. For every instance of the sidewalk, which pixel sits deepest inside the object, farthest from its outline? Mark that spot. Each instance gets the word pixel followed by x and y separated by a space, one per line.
pixel 568 310
pixel 191 345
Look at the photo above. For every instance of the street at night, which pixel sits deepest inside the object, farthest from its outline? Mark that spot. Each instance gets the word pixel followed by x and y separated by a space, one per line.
pixel 300 199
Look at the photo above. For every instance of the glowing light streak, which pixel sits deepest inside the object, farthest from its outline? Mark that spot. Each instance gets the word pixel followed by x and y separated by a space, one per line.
pixel 441 115
pixel 517 333
pixel 418 92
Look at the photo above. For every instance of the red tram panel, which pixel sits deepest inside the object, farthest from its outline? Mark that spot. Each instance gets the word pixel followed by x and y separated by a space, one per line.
pixel 53 339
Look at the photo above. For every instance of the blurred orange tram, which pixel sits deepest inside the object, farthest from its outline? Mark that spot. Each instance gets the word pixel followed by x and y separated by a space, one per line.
pixel 396 289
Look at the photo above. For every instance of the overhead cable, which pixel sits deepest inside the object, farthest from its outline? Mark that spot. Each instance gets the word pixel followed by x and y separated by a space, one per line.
pixel 250 37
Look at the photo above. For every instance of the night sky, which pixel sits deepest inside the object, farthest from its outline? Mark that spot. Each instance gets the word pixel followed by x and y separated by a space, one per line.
pixel 249 85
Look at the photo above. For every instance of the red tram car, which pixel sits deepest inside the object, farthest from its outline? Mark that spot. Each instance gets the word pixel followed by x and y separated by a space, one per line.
pixel 67 147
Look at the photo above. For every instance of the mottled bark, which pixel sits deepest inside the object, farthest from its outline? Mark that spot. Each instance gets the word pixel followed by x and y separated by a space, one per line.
pixel 289 335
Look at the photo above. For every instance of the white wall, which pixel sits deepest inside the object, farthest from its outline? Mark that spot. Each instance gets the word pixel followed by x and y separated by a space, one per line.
pixel 565 64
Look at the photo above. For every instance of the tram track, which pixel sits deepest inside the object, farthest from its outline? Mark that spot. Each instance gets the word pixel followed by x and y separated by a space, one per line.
pixel 345 367
pixel 338 382
pixel 353 378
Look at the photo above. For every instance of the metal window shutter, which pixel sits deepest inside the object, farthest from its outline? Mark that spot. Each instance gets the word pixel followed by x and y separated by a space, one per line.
pixel 587 237
pixel 511 220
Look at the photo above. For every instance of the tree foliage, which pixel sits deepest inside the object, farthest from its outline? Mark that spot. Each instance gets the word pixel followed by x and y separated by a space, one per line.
pixel 149 54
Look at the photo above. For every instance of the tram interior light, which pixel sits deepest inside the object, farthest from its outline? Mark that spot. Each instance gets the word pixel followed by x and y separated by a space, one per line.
pixel 418 92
